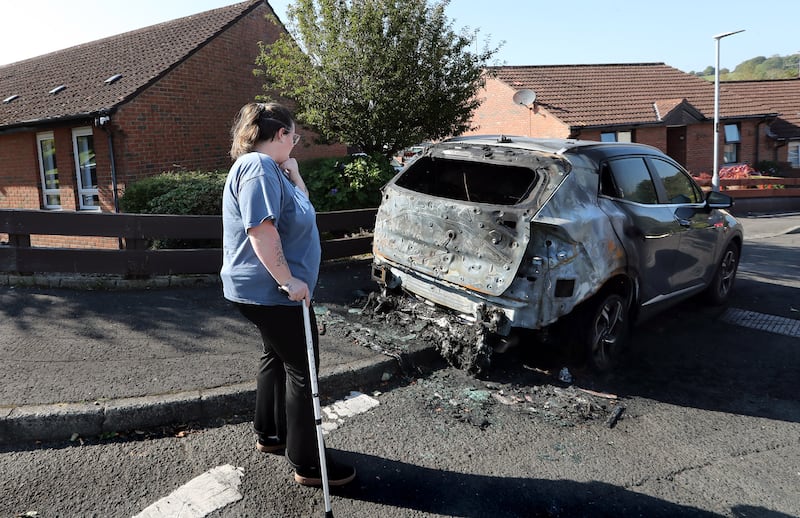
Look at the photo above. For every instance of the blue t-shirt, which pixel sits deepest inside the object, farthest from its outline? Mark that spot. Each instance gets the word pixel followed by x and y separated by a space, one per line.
pixel 257 190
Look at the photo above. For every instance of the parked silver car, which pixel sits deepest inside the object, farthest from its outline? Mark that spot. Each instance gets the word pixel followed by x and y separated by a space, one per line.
pixel 513 232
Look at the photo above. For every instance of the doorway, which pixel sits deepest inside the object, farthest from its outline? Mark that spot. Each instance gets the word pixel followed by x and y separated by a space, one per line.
pixel 676 144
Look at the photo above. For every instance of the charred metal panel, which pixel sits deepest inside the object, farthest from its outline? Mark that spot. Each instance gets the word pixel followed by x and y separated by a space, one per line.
pixel 511 256
pixel 432 221
pixel 571 238
pixel 466 245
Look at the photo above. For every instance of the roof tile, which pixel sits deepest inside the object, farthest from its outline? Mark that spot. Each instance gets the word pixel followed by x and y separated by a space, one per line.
pixel 616 94
pixel 141 56
pixel 783 97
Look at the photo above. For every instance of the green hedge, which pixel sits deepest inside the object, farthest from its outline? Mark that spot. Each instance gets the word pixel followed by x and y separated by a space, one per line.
pixel 343 183
pixel 186 193
pixel 192 192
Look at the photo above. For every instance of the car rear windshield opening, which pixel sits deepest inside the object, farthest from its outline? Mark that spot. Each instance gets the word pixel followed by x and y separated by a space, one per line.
pixel 477 182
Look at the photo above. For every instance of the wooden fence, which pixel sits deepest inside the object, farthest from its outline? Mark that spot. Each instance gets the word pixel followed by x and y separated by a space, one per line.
pixel 135 231
pixel 757 186
pixel 760 194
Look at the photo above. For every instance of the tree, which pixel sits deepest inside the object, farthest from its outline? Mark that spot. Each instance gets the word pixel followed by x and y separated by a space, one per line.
pixel 377 74
pixel 757 68
pixel 748 68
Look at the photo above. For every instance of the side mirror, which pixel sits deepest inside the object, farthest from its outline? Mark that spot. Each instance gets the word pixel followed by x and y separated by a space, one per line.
pixel 717 200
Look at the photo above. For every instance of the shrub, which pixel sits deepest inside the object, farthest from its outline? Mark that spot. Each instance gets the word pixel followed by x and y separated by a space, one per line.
pixel 185 193
pixel 193 192
pixel 352 182
pixel 768 167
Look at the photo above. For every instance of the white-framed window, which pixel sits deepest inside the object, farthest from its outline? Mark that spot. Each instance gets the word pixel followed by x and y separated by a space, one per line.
pixel 48 170
pixel 794 154
pixel 730 154
pixel 616 136
pixel 86 169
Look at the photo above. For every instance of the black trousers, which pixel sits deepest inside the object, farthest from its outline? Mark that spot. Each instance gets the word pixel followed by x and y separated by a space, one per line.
pixel 284 407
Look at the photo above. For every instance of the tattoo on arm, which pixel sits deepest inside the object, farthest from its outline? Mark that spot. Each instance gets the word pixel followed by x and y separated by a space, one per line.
pixel 280 259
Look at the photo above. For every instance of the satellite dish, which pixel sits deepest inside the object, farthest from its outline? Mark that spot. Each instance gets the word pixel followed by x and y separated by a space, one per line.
pixel 524 97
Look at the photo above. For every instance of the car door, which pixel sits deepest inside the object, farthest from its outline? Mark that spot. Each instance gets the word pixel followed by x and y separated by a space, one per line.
pixel 697 225
pixel 649 231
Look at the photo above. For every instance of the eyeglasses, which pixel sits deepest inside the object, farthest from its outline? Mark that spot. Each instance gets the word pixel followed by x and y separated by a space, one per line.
pixel 295 136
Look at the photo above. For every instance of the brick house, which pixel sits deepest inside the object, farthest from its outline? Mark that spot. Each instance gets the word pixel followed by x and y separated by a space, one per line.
pixel 783 97
pixel 79 124
pixel 650 103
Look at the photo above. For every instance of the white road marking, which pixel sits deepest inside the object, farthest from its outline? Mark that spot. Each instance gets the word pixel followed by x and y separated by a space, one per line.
pixel 354 404
pixel 201 496
pixel 762 322
pixel 219 487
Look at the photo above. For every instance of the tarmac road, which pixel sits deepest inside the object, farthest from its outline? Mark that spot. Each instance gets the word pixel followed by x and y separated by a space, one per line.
pixel 710 428
pixel 711 425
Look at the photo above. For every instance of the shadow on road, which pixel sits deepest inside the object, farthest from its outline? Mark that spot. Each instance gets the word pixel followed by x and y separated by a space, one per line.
pixel 176 318
pixel 446 493
pixel 687 356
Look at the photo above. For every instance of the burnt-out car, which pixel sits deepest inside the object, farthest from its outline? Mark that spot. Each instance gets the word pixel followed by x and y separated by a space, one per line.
pixel 514 233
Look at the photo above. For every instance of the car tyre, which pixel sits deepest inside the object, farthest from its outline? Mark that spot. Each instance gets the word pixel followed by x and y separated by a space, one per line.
pixel 719 291
pixel 606 330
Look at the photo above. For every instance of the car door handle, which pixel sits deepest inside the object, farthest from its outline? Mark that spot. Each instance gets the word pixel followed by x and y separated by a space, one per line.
pixel 684 222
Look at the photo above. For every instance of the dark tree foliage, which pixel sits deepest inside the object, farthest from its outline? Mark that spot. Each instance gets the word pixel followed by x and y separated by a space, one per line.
pixel 380 75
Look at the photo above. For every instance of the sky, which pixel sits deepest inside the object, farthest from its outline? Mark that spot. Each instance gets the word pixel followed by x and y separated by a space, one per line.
pixel 679 33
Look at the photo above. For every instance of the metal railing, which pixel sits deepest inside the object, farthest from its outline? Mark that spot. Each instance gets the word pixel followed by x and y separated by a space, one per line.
pixel 134 258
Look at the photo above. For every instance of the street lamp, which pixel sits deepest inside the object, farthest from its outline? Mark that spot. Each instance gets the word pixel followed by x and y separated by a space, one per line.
pixel 715 173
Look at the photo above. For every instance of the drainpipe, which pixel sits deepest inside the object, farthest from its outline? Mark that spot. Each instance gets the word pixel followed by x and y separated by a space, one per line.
pixel 104 121
pixel 113 171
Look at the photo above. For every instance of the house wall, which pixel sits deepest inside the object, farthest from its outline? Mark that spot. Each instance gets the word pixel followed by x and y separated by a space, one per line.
pixel 780 153
pixel 180 122
pixel 20 180
pixel 545 125
pixel 183 121
pixel 767 146
pixel 499 115
pixel 19 171
pixel 699 146
pixel 754 146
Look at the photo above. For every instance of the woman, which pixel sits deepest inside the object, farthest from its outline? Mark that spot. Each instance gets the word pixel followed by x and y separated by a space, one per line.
pixel 271 241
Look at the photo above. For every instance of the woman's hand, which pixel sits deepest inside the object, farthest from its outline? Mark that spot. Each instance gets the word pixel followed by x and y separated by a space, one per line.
pixel 293 173
pixel 291 167
pixel 297 290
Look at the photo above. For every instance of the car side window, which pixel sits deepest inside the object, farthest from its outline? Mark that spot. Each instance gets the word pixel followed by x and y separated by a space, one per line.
pixel 607 185
pixel 631 181
pixel 680 188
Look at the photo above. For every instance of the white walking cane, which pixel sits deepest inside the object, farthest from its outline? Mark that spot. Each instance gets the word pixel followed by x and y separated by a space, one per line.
pixel 312 374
